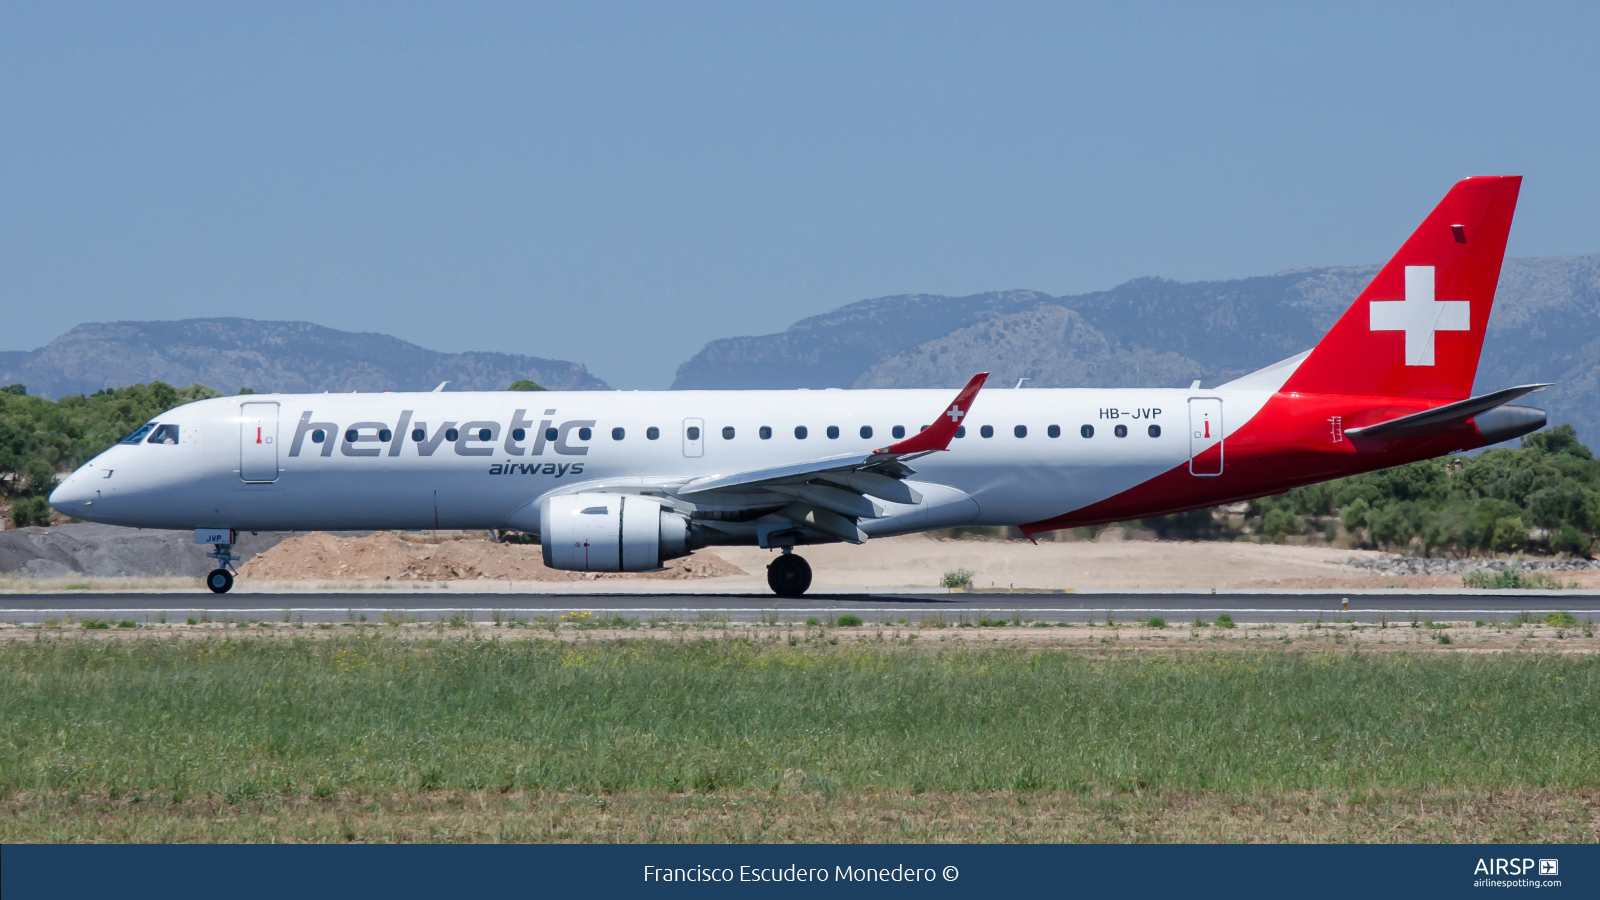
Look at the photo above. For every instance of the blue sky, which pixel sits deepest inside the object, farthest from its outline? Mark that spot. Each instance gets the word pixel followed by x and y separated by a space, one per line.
pixel 618 184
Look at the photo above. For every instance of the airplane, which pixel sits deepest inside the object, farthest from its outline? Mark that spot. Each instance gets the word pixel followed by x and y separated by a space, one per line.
pixel 626 480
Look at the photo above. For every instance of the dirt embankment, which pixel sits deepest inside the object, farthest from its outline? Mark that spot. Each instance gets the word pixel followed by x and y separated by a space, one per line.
pixel 386 556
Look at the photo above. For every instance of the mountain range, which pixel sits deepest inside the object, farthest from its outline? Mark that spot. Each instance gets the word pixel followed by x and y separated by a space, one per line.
pixel 288 357
pixel 1153 332
pixel 1149 332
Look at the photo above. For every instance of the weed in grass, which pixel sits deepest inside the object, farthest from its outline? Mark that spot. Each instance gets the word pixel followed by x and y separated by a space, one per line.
pixel 285 618
pixel 1156 622
pixel 497 617
pixel 127 623
pixel 1478 623
pixel 1224 621
pixel 849 621
pixel 192 621
pixel 1443 638
pixel 1561 620
pixel 161 617
pixel 96 623
pixel 461 619
pixel 1513 578
pixel 812 620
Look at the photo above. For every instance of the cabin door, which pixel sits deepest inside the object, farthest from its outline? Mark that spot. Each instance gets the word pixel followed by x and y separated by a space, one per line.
pixel 1205 436
pixel 258 442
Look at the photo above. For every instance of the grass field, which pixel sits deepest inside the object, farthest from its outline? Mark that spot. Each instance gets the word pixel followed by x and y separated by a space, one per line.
pixel 379 735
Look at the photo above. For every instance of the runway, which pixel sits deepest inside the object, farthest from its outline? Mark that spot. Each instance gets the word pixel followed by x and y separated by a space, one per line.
pixel 1175 607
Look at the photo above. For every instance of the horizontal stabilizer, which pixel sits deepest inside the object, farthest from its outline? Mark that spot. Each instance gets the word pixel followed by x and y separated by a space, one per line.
pixel 1442 418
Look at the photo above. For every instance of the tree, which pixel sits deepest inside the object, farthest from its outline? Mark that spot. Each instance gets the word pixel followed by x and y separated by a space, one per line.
pixel 523 384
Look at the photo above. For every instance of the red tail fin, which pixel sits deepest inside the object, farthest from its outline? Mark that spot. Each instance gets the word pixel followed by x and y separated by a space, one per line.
pixel 1417 329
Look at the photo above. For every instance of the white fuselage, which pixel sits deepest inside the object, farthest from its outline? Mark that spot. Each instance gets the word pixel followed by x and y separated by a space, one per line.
pixel 252 462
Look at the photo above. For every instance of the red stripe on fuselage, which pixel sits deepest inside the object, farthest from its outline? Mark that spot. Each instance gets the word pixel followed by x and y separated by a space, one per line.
pixel 1289 443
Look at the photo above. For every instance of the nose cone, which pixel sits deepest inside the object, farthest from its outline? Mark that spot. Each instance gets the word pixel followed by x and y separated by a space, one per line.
pixel 75 496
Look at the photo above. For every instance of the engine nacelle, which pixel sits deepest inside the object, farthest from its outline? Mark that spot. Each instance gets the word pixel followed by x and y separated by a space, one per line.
pixel 599 532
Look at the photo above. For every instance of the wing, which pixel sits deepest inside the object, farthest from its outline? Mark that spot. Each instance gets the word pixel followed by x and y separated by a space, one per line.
pixel 824 497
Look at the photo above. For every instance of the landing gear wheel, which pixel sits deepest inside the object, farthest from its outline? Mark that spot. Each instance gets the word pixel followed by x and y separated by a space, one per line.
pixel 789 575
pixel 221 581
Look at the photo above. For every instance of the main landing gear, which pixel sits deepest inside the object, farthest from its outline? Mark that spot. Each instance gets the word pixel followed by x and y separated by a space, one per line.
pixel 789 575
pixel 220 581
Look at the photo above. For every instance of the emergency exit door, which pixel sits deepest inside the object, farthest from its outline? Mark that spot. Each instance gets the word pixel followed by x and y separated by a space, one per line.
pixel 1205 436
pixel 258 442
pixel 694 438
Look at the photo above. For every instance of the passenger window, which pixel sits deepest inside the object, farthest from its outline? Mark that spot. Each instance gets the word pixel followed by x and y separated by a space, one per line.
pixel 550 434
pixel 417 434
pixel 450 434
pixel 987 431
pixel 866 431
pixel 961 432
pixel 1020 431
pixel 1155 430
pixel 1087 431
pixel 351 435
pixel 766 433
pixel 138 435
pixel 652 433
pixel 319 436
pixel 694 433
pixel 485 434
pixel 385 434
pixel 618 434
pixel 800 432
pixel 583 434
pixel 1053 431
pixel 517 434
pixel 899 431
pixel 165 434
pixel 1120 431
pixel 727 432
pixel 833 432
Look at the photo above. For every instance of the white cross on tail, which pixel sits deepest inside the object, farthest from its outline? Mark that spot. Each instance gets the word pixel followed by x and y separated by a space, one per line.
pixel 1420 316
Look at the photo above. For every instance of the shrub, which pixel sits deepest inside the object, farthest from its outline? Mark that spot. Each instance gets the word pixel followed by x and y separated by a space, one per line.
pixel 1561 620
pixel 1568 539
pixel 1512 578
pixel 849 621
pixel 813 621
pixel 1224 621
pixel 1156 622
pixel 957 578
pixel 96 623
pixel 30 511
pixel 127 623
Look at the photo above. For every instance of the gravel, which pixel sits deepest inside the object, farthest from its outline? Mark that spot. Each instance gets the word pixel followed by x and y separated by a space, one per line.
pixel 1415 565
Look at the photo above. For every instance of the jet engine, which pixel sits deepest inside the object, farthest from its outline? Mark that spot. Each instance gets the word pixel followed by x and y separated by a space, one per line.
pixel 600 532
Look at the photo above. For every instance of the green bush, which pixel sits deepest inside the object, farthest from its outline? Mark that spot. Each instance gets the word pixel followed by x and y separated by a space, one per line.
pixel 1513 578
pixel 1156 622
pixel 957 578
pixel 26 511
pixel 849 621
pixel 1224 621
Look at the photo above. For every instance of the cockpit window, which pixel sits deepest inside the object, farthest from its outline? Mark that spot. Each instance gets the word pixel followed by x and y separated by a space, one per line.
pixel 138 436
pixel 165 434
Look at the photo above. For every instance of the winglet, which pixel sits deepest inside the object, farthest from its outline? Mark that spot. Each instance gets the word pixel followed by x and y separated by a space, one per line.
pixel 938 435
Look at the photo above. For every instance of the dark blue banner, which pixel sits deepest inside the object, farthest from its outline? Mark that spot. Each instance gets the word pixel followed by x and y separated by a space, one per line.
pixel 306 872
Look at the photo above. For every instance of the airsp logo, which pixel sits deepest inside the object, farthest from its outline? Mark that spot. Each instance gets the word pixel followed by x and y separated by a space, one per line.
pixel 1419 315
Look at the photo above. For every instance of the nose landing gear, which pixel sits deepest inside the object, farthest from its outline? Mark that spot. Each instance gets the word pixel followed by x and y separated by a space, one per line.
pixel 220 581
pixel 789 575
